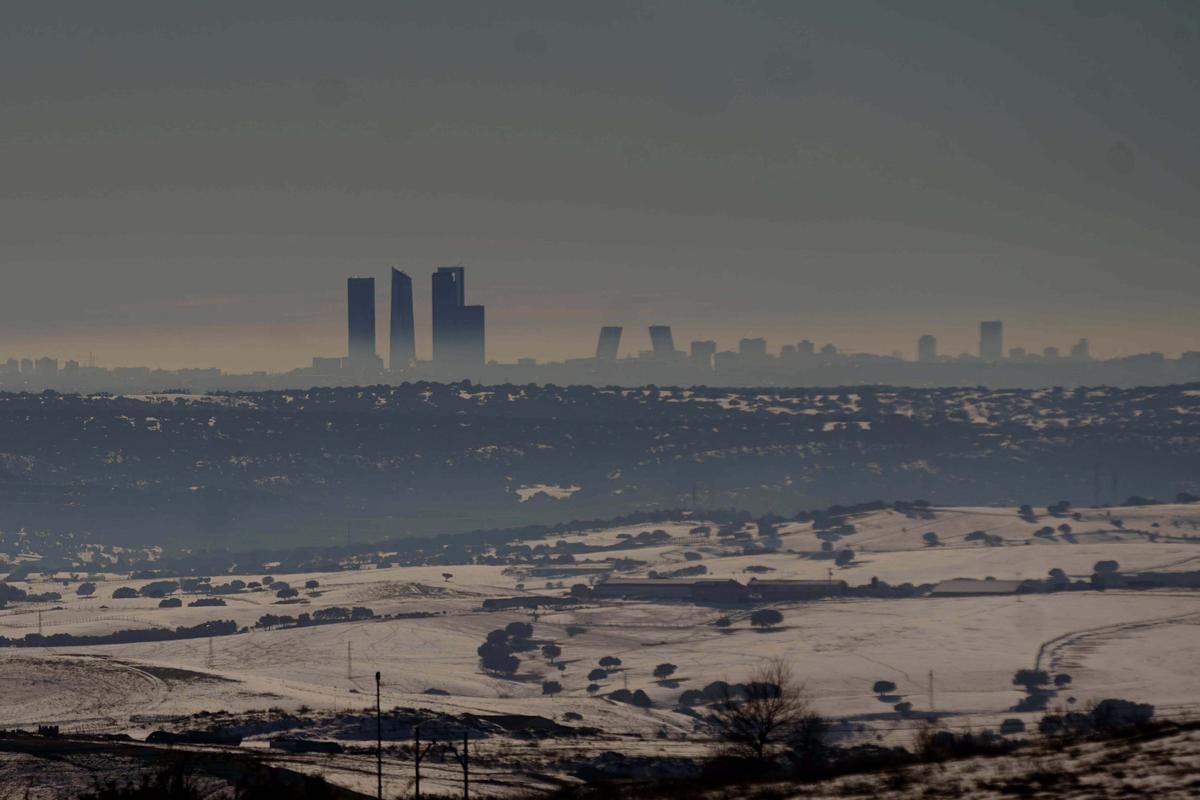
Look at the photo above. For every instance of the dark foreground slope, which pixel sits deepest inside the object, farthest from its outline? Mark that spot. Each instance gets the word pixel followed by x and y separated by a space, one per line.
pixel 327 464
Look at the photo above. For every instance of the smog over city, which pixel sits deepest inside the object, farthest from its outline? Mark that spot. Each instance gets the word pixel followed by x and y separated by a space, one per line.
pixel 567 400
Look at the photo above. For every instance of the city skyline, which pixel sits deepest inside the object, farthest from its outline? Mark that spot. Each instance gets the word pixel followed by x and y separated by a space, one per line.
pixel 791 171
pixel 371 344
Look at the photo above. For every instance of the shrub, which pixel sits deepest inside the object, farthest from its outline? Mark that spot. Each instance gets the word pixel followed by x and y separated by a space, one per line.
pixel 766 618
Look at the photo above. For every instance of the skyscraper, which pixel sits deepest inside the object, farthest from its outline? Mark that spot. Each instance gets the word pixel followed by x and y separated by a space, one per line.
pixel 662 342
pixel 926 349
pixel 402 352
pixel 702 353
pixel 991 340
pixel 360 305
pixel 458 329
pixel 609 344
pixel 1081 351
pixel 753 349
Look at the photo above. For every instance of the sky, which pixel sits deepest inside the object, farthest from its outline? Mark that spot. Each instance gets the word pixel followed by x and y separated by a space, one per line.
pixel 190 185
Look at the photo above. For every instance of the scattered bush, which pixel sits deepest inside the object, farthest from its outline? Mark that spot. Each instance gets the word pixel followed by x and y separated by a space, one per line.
pixel 766 618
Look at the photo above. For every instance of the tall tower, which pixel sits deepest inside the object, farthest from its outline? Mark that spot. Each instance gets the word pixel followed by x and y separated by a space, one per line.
pixel 402 351
pixel 926 349
pixel 360 305
pixel 458 329
pixel 609 343
pixel 662 342
pixel 991 340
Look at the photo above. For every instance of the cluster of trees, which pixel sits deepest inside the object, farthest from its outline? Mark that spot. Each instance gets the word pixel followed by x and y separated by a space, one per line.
pixel 204 629
pixel 498 652
pixel 322 616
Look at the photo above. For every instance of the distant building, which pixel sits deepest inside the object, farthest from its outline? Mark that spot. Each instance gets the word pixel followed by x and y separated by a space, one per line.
pixel 27 366
pixel 991 340
pixel 46 368
pixel 327 366
pixel 753 349
pixel 71 369
pixel 806 348
pixel 1016 353
pixel 692 591
pixel 970 587
pixel 1050 353
pixel 360 307
pixel 926 349
pixel 661 342
pixel 783 590
pixel 725 361
pixel 702 353
pixel 609 344
pixel 402 342
pixel 458 329
pixel 1081 351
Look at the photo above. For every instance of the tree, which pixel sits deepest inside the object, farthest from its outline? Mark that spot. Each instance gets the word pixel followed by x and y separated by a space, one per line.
pixel 85 589
pixel 597 675
pixel 124 593
pixel 883 687
pixel 610 662
pixel 311 584
pixel 551 651
pixel 519 630
pixel 663 671
pixel 446 576
pixel 931 539
pixel 551 687
pixel 768 713
pixel 1031 678
pixel 766 618
pixel 1107 567
pixel 498 658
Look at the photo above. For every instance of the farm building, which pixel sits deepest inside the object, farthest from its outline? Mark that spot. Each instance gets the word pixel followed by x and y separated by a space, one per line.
pixel 971 587
pixel 779 590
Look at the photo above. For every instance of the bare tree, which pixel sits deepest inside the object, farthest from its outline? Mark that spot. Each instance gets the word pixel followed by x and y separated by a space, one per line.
pixel 769 711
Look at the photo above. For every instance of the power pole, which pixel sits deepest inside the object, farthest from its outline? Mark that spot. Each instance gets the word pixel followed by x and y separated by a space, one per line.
pixel 39 622
pixel 210 651
pixel 419 756
pixel 931 705
pixel 378 740
pixel 464 760
pixel 349 663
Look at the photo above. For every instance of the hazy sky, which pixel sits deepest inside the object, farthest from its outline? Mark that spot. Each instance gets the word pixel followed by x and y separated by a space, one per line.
pixel 190 184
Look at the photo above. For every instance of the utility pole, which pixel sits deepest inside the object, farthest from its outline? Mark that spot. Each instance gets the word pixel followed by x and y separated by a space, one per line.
pixel 39 622
pixel 349 663
pixel 419 756
pixel 464 760
pixel 931 705
pixel 210 651
pixel 378 740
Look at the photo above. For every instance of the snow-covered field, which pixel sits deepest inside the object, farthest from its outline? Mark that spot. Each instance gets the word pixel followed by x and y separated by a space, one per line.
pixel 1137 645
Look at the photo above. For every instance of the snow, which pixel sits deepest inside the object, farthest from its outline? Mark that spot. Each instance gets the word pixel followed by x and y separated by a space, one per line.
pixel 1135 645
